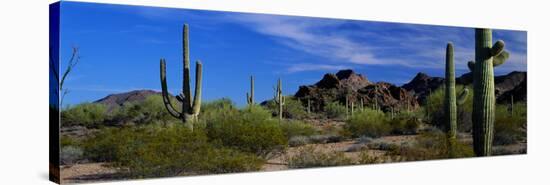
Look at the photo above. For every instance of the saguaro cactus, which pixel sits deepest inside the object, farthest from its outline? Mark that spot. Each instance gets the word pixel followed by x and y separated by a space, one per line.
pixel 450 93
pixel 483 113
pixel 279 98
pixel 250 97
pixel 189 112
pixel 308 106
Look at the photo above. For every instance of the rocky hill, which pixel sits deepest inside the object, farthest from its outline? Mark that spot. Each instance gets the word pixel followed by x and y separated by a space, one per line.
pixel 348 84
pixel 116 100
pixel 511 84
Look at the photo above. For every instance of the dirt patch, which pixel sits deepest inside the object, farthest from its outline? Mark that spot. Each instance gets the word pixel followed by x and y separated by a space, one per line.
pixel 89 172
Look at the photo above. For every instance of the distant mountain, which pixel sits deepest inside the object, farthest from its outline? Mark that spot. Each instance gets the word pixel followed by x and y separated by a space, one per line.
pixel 514 83
pixel 116 100
pixel 422 84
pixel 348 84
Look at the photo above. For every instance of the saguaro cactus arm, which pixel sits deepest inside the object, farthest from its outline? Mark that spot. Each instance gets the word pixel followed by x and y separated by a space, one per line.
pixel 463 97
pixel 250 97
pixel 198 88
pixel 165 96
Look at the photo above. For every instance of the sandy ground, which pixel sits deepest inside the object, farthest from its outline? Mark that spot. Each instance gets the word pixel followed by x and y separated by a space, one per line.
pixel 87 173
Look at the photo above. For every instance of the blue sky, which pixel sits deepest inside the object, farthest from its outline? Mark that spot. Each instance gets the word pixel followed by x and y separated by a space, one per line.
pixel 120 47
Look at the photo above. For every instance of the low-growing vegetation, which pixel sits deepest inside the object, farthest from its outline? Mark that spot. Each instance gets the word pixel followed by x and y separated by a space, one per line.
pixel 157 151
pixel 309 156
pixel 371 123
pixel 84 114
pixel 510 127
pixel 432 145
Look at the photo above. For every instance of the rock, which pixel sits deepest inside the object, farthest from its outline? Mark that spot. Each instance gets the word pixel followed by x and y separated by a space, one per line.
pixel 422 84
pixel 514 83
pixel 388 96
pixel 348 84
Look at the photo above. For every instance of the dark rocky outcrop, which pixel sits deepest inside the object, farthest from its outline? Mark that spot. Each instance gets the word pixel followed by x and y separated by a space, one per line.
pixel 348 84
pixel 422 85
pixel 514 83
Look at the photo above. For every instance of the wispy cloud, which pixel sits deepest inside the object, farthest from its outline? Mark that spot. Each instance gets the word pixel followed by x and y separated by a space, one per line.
pixel 373 43
pixel 351 43
pixel 314 67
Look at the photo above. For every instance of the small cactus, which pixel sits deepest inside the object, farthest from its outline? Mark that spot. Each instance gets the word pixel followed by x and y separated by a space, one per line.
pixel 279 98
pixel 250 97
pixel 308 106
pixel 483 114
pixel 189 112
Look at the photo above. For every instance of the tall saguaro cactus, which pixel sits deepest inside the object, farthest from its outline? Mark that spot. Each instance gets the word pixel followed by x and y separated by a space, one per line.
pixel 483 113
pixel 279 98
pixel 189 112
pixel 250 97
pixel 450 93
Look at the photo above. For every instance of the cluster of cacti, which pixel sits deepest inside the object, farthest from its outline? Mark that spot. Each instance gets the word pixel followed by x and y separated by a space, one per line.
pixel 279 98
pixel 450 93
pixel 250 97
pixel 189 112
pixel 487 56
pixel 350 107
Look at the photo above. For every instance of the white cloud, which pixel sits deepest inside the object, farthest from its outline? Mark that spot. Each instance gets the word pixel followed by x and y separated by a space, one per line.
pixel 314 67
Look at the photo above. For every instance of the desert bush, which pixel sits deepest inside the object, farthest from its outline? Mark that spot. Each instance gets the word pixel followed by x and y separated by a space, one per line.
pixel 366 158
pixel 309 156
pixel 85 114
pixel 325 138
pixel 403 125
pixel 157 151
pixel 434 109
pixel 509 127
pixel 335 111
pixel 433 145
pixel 298 141
pixel 67 141
pixel 149 111
pixel 370 123
pixel 249 131
pixel 70 155
pixel 357 147
pixel 378 144
pixel 292 109
pixel 293 128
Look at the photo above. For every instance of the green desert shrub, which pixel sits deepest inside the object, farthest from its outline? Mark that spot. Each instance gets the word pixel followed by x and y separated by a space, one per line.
pixel 84 114
pixel 366 158
pixel 69 155
pixel 370 123
pixel 335 111
pixel 292 108
pixel 509 127
pixel 434 109
pixel 293 128
pixel 298 141
pixel 310 156
pixel 157 151
pixel 432 145
pixel 68 141
pixel 245 130
pixel 149 111
pixel 404 125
